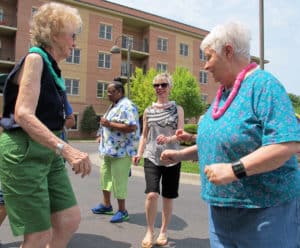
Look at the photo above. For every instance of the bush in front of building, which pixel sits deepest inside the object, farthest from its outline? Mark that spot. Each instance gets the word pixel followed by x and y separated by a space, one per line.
pixel 295 102
pixel 192 129
pixel 88 123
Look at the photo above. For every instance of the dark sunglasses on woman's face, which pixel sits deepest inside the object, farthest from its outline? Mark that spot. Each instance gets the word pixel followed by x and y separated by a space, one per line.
pixel 162 85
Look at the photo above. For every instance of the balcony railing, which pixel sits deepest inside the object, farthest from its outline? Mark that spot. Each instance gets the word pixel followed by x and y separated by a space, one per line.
pixel 8 20
pixel 138 45
pixel 7 58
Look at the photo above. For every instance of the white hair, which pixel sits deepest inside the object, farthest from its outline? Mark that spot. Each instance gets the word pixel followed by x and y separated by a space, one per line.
pixel 234 33
pixel 163 77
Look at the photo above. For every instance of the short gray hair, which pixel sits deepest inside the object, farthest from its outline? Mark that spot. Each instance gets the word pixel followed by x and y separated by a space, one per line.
pixel 234 33
pixel 163 76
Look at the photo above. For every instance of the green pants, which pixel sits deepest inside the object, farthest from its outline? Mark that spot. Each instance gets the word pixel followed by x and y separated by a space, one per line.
pixel 114 175
pixel 34 182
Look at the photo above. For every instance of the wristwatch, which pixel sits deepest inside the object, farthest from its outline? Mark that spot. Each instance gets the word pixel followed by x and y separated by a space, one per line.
pixel 59 148
pixel 239 169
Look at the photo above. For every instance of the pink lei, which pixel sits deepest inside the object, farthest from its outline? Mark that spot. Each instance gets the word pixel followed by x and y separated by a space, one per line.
pixel 216 112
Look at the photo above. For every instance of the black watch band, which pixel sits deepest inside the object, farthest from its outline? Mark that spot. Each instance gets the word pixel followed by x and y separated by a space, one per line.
pixel 239 169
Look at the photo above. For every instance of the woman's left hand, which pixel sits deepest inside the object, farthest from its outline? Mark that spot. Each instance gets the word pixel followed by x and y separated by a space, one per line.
pixel 220 173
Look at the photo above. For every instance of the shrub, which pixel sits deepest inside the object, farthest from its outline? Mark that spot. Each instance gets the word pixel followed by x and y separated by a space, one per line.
pixel 88 124
pixel 192 129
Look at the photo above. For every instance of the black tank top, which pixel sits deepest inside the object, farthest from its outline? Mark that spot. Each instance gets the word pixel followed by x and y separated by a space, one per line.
pixel 50 107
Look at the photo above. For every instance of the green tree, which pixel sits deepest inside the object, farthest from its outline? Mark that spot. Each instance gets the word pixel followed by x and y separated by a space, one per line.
pixel 88 123
pixel 295 102
pixel 185 91
pixel 141 90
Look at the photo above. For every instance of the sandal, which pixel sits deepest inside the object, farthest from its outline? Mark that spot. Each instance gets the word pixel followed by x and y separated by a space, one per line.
pixel 148 243
pixel 162 239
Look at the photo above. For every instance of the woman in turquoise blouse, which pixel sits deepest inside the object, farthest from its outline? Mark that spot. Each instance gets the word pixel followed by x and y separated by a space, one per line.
pixel 245 145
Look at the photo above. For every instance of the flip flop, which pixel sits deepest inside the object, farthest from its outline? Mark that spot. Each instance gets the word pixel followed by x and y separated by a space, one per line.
pixel 162 239
pixel 147 243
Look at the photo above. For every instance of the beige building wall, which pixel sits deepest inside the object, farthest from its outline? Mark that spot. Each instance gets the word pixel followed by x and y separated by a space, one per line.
pixel 181 60
pixel 168 57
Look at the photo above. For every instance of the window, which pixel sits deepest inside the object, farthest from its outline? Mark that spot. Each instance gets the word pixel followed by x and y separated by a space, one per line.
pixel 145 45
pixel 144 69
pixel 184 49
pixel 124 68
pixel 1 16
pixel 75 127
pixel 104 60
pixel 74 57
pixel 101 89
pixel 72 86
pixel 162 44
pixel 202 54
pixel 204 97
pixel 203 77
pixel 161 67
pixel 105 32
pixel 126 41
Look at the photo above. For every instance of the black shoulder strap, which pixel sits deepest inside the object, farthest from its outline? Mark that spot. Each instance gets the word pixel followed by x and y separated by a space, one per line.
pixel 13 72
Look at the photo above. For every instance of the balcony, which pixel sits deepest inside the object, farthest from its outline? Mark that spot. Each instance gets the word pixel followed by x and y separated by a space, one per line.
pixel 139 50
pixel 6 63
pixel 8 25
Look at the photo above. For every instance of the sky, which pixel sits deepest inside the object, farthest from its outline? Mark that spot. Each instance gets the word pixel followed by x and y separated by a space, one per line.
pixel 281 27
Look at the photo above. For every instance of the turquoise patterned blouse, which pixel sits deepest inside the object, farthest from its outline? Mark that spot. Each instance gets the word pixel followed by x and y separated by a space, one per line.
pixel 261 114
pixel 118 144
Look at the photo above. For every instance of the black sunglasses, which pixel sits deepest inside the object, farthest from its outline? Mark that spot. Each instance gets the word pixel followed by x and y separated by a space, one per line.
pixel 162 85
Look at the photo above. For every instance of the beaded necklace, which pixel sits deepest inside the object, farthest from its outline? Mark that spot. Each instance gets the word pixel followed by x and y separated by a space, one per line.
pixel 216 112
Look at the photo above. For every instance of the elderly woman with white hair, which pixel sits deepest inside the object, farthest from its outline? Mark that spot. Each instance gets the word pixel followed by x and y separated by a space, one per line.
pixel 245 145
pixel 160 122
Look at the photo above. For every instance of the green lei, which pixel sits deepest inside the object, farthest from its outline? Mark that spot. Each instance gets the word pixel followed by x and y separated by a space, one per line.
pixel 60 82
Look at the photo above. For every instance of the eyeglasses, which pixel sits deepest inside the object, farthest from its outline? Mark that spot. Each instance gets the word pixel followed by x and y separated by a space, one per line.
pixel 112 92
pixel 162 85
pixel 72 35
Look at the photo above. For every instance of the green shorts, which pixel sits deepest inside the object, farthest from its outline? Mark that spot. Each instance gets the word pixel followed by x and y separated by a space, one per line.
pixel 34 182
pixel 114 175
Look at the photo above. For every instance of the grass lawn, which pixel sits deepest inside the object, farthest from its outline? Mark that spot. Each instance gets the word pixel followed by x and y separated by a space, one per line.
pixel 186 166
pixel 190 167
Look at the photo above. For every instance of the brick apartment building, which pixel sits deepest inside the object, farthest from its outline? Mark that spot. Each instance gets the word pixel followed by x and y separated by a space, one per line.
pixel 155 42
